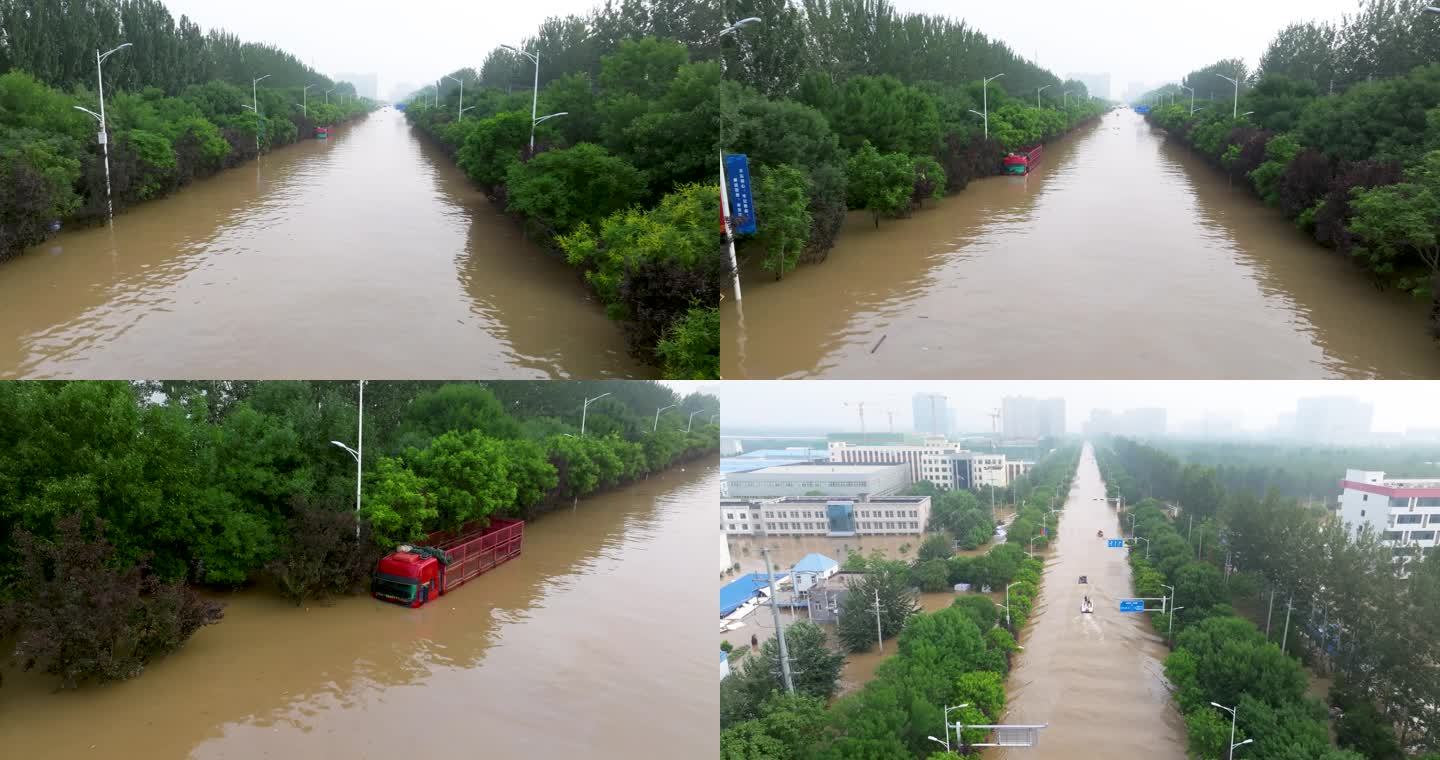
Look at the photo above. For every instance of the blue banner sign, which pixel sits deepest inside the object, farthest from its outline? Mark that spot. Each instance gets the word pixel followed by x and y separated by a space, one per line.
pixel 1132 605
pixel 1114 543
pixel 742 204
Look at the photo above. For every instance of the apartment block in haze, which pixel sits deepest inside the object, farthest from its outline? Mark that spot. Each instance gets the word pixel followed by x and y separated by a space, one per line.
pixel 930 413
pixel 1025 418
pixel 1332 419
pixel 1403 512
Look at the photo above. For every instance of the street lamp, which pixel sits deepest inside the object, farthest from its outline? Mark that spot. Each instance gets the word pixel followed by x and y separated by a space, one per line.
pixel 327 95
pixel 1431 9
pixel 1192 97
pixel 656 426
pixel 104 136
pixel 947 726
pixel 584 410
pixel 1037 95
pixel 985 101
pixel 535 96
pixel 255 107
pixel 466 108
pixel 1247 113
pixel 355 452
pixel 1235 104
pixel 1007 602
pixel 1067 98
pixel 1170 631
pixel 725 196
pixel 305 100
pixel 461 105
pixel 1233 715
pixel 1142 538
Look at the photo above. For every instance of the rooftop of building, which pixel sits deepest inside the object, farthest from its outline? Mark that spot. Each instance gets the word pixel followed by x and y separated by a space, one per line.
pixel 814 563
pixel 826 468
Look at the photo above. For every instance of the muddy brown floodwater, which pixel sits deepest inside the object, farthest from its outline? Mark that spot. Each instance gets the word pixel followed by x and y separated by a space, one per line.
pixel 593 643
pixel 368 254
pixel 1096 679
pixel 1123 255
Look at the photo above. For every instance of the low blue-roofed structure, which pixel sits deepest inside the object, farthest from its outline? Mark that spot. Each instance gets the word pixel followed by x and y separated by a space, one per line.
pixel 762 458
pixel 812 569
pixel 740 591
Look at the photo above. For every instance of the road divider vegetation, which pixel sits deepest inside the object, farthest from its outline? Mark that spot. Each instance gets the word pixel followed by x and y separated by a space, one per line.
pixel 177 108
pixel 1339 129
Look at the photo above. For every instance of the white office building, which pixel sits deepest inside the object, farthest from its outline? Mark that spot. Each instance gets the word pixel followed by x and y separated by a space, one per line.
pixel 943 463
pixel 823 478
pixel 825 516
pixel 1404 512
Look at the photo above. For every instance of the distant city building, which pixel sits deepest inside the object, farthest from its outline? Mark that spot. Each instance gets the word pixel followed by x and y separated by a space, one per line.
pixel 827 478
pixel 1098 85
pixel 1332 419
pixel 825 516
pixel 930 413
pixel 945 464
pixel 366 85
pixel 1134 90
pixel 1023 417
pixel 1141 422
pixel 730 447
pixel 1403 512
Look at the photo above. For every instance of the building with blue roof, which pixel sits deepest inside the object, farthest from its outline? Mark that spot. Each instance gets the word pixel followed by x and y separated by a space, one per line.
pixel 741 590
pixel 812 569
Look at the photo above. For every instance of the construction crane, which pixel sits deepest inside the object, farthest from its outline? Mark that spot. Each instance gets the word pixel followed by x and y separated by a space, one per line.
pixel 861 406
pixel 995 426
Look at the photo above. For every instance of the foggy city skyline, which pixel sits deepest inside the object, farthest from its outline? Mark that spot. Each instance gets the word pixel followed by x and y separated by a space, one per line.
pixel 1244 406
pixel 415 45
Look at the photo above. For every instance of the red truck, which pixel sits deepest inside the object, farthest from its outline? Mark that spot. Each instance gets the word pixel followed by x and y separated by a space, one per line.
pixel 413 575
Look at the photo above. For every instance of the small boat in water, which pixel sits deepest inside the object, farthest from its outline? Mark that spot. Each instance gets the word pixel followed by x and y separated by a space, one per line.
pixel 1024 161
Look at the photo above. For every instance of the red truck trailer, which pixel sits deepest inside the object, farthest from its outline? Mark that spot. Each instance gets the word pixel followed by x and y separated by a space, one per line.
pixel 1024 161
pixel 414 575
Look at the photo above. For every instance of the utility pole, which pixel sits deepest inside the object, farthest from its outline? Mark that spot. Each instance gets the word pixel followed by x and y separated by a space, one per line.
pixel 1268 613
pixel 1285 637
pixel 879 638
pixel 779 629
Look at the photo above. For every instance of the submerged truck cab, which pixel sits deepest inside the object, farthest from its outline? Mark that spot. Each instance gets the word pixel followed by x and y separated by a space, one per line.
pixel 413 575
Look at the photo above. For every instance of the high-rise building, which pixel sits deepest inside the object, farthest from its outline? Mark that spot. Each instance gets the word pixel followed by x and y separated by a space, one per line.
pixel 366 85
pixel 930 413
pixel 1028 418
pixel 1332 419
pixel 1149 421
pixel 1098 85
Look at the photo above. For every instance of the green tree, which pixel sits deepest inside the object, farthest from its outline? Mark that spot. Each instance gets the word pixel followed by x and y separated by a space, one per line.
pixel 782 207
pixel 882 183
pixel 891 582
pixel 563 189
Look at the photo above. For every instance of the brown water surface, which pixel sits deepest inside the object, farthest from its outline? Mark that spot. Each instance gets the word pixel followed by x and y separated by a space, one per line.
pixel 1122 256
pixel 590 644
pixel 368 255
pixel 1096 679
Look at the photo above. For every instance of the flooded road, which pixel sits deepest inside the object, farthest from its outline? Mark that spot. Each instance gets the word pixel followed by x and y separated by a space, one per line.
pixel 1122 256
pixel 590 644
pixel 368 254
pixel 1096 679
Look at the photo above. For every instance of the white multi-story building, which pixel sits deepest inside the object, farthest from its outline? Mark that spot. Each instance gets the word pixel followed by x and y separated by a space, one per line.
pixel 943 463
pixel 825 516
pixel 822 478
pixel 1404 512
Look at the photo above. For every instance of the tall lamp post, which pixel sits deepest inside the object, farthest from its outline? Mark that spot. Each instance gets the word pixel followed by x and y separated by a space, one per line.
pixel 656 426
pixel 305 100
pixel 1068 93
pixel 585 410
pixel 255 108
pixel 327 95
pixel 534 96
pixel 692 419
pixel 460 107
pixel 356 452
pixel 1233 714
pixel 104 136
pixel 1192 97
pixel 1037 95
pixel 985 101
pixel 1235 104
pixel 725 196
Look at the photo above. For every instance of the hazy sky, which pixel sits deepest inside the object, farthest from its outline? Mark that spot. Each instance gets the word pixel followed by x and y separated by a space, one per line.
pixel 415 41
pixel 1255 404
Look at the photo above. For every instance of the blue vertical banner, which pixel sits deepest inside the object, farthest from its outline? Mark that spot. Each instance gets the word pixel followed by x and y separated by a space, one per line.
pixel 742 203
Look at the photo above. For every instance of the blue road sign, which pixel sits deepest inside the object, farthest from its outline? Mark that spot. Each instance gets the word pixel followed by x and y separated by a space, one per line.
pixel 742 203
pixel 1114 543
pixel 1132 605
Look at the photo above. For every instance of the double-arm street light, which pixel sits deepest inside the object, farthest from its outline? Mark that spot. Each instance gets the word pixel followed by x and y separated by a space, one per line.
pixel 1233 713
pixel 1192 97
pixel 692 419
pixel 1037 95
pixel 947 727
pixel 255 108
pixel 356 452
pixel 724 195
pixel 104 135
pixel 534 96
pixel 656 426
pixel 1235 104
pixel 985 102
pixel 460 108
pixel 305 100
pixel 585 410
pixel 327 95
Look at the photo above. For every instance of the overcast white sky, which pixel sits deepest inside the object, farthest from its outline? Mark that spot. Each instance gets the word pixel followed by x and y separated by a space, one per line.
pixel 791 404
pixel 413 41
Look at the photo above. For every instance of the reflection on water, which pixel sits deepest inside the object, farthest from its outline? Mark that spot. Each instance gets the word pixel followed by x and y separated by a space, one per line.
pixel 1097 679
pixel 563 652
pixel 1123 255
pixel 367 254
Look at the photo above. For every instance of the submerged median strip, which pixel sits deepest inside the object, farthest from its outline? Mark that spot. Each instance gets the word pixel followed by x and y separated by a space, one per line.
pixel 956 656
